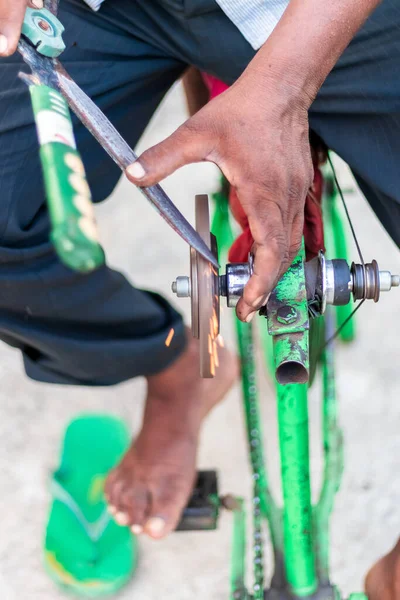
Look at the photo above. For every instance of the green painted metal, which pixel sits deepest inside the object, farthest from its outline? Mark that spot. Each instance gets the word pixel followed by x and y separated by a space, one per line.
pixel 299 552
pixel 264 505
pixel 73 225
pixel 288 323
pixel 299 534
pixel 44 31
pixel 336 246
pixel 221 226
pixel 333 457
pixel 287 306
pixel 238 559
pixel 291 354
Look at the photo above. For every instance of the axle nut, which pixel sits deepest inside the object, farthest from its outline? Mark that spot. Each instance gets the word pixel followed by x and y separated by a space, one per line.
pixel 181 287
pixel 287 315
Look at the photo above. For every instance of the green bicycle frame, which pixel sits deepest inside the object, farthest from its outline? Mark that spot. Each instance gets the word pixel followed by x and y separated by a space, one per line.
pixel 299 532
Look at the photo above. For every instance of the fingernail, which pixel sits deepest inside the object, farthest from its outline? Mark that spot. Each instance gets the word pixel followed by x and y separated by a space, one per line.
pixel 266 300
pixel 136 171
pixel 38 3
pixel 155 526
pixel 137 529
pixel 122 519
pixel 250 317
pixel 112 510
pixel 3 44
pixel 260 301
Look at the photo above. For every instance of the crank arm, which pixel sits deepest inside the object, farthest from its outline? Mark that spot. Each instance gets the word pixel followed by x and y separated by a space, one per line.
pixel 49 71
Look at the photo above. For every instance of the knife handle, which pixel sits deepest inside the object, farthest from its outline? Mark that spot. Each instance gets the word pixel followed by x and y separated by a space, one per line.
pixel 74 230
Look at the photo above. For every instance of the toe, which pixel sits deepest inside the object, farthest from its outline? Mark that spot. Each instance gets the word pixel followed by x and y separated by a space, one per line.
pixel 135 503
pixel 114 491
pixel 169 499
pixel 113 488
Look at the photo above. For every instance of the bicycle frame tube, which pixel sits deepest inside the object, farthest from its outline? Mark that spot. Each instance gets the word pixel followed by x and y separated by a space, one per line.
pixel 299 534
pixel 334 459
pixel 290 334
pixel 297 511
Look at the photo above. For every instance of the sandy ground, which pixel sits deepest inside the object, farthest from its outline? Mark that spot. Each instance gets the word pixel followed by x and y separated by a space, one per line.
pixel 366 520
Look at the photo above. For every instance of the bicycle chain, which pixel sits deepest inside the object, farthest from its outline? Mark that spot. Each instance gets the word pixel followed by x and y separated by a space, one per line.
pixel 256 459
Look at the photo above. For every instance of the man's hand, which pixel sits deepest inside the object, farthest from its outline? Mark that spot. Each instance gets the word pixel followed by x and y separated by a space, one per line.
pixel 12 14
pixel 257 133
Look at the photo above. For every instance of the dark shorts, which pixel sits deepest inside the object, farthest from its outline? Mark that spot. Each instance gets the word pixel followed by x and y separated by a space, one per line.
pixel 98 329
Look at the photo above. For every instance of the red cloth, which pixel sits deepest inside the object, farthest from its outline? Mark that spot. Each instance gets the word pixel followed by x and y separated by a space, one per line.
pixel 313 223
pixel 215 86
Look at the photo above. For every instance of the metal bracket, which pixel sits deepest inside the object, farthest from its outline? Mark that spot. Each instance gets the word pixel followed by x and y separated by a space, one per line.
pixel 44 31
pixel 287 308
pixel 288 323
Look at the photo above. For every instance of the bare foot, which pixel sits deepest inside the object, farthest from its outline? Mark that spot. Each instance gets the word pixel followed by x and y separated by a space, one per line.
pixel 383 580
pixel 151 486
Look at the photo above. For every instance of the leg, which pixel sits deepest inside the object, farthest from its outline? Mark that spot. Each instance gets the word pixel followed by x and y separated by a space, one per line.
pixel 357 114
pixel 151 486
pixel 94 330
pixel 98 330
pixel 383 581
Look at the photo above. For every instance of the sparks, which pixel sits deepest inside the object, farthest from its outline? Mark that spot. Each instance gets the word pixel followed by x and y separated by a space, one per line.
pixel 169 338
pixel 215 354
pixel 212 366
pixel 210 348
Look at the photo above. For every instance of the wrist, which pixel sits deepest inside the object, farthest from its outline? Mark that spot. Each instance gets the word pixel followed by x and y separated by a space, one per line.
pixel 278 82
pixel 295 78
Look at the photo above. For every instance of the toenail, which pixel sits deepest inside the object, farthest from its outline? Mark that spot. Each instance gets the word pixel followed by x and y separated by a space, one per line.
pixel 121 518
pixel 137 529
pixel 155 526
pixel 112 510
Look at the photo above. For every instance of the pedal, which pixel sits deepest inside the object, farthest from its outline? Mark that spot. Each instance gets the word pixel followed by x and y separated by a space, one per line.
pixel 201 514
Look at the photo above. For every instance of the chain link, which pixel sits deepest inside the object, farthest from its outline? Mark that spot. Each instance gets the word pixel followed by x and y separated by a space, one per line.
pixel 257 462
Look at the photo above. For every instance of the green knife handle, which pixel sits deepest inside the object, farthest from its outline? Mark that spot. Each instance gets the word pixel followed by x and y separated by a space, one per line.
pixel 73 226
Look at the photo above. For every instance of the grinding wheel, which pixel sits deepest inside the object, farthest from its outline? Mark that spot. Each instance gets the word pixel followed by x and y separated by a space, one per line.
pixel 205 293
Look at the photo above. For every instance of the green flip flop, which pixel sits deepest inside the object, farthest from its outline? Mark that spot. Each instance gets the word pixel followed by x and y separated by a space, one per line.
pixel 86 552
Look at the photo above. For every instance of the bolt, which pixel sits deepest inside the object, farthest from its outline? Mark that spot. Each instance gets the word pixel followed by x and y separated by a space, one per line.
pixel 395 280
pixel 44 25
pixel 287 315
pixel 181 287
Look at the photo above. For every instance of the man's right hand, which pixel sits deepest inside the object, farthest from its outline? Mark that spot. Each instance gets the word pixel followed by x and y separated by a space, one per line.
pixel 12 14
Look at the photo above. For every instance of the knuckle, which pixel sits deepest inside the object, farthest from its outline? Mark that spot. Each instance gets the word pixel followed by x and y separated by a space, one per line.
pixel 294 248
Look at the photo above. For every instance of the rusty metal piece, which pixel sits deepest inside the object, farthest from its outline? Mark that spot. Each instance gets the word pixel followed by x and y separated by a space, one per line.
pixel 205 306
pixel 287 306
pixel 288 323
pixel 44 25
